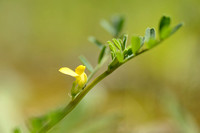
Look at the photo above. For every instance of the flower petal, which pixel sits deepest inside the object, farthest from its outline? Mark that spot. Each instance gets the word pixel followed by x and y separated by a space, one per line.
pixel 68 71
pixel 80 69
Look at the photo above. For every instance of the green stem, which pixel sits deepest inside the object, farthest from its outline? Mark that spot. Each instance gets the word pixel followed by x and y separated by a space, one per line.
pixel 74 102
pixel 92 74
pixel 98 67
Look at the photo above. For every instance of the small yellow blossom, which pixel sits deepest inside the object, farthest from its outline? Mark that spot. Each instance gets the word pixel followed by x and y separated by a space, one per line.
pixel 79 74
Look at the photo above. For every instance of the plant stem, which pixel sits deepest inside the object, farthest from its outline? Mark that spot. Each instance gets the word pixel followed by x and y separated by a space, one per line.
pixel 77 99
pixel 74 102
pixel 98 67
pixel 92 74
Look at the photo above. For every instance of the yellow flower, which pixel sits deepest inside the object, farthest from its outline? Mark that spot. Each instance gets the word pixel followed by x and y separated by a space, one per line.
pixel 79 74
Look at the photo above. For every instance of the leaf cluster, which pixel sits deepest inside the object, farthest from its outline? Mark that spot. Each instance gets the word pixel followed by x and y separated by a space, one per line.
pixel 121 52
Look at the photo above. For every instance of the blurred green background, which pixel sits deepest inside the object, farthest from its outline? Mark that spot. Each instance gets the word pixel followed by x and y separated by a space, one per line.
pixel 156 92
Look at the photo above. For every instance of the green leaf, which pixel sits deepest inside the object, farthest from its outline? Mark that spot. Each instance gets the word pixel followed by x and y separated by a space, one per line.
pixel 121 43
pixel 164 22
pixel 112 47
pixel 16 130
pixel 120 56
pixel 151 43
pixel 128 52
pixel 102 53
pixel 124 41
pixel 86 63
pixel 164 29
pixel 112 55
pixel 176 28
pixel 150 34
pixel 108 27
pixel 117 43
pixel 115 27
pixel 150 37
pixel 54 115
pixel 142 39
pixel 117 23
pixel 37 122
pixel 95 41
pixel 136 44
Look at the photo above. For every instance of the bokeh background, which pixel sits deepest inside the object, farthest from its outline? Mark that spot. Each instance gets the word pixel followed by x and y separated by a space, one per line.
pixel 157 92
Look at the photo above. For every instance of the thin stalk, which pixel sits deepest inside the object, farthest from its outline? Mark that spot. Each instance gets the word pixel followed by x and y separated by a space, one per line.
pixel 93 72
pixel 98 67
pixel 74 102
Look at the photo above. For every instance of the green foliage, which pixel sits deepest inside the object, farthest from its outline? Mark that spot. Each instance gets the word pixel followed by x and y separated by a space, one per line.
pixel 136 43
pixel 117 43
pixel 150 34
pixel 120 56
pixel 164 28
pixel 117 48
pixel 123 52
pixel 112 47
pixel 117 22
pixel 17 130
pixel 150 37
pixel 128 52
pixel 164 23
pixel 102 53
pixel 124 41
pixel 86 63
pixel 178 26
pixel 35 124
pixel 114 27
pixel 95 41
